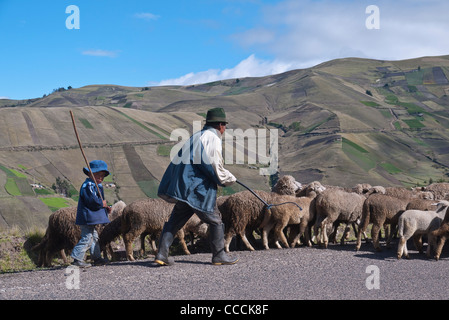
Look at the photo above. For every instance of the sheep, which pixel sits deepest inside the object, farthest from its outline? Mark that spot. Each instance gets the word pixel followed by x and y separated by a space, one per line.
pixel 420 204
pixel 335 205
pixel 286 185
pixel 400 192
pixel 415 223
pixel 242 212
pixel 403 193
pixel 63 234
pixel 388 212
pixel 220 201
pixel 438 237
pixel 439 190
pixel 380 209
pixel 109 233
pixel 148 216
pixel 289 215
pixel 116 210
pixel 315 186
pixel 376 189
pixel 362 188
pixel 289 210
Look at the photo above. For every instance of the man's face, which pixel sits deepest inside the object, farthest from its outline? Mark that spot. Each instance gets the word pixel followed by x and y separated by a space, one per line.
pixel 222 127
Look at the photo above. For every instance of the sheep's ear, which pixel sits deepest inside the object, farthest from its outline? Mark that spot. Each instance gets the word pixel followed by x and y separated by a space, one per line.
pixel 441 206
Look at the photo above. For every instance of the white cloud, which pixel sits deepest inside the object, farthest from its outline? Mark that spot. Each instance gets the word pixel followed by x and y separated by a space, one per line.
pixel 309 31
pixel 7 98
pixel 146 16
pixel 250 67
pixel 302 34
pixel 100 53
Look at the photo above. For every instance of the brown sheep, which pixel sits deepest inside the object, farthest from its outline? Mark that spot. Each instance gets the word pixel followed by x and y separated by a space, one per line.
pixel 403 193
pixel 407 199
pixel 336 205
pixel 286 185
pixel 109 233
pixel 439 190
pixel 147 217
pixel 242 212
pixel 400 192
pixel 362 188
pixel 289 214
pixel 438 237
pixel 420 204
pixel 380 209
pixel 315 186
pixel 63 234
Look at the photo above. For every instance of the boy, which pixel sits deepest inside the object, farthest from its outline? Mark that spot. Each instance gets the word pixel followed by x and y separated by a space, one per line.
pixel 91 211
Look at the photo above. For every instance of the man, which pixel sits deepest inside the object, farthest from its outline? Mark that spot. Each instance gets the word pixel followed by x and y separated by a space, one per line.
pixel 191 182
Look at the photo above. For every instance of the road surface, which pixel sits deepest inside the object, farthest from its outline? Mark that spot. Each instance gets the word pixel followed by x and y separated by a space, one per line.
pixel 336 273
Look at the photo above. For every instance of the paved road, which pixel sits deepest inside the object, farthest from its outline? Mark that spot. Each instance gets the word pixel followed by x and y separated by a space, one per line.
pixel 300 273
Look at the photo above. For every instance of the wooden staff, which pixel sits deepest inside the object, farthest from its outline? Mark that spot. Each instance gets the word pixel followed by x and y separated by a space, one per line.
pixel 84 156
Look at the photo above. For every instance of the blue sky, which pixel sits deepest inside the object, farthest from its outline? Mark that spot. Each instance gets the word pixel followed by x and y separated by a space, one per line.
pixel 148 43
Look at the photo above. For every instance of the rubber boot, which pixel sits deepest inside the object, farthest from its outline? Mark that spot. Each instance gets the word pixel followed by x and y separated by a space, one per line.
pixel 219 256
pixel 163 251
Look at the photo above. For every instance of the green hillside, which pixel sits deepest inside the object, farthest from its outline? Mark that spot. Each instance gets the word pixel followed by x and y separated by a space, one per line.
pixel 342 122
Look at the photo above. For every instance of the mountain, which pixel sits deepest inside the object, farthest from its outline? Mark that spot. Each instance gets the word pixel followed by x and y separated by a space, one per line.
pixel 342 122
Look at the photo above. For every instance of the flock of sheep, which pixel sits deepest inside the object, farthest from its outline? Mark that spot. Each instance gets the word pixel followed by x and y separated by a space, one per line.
pixel 407 213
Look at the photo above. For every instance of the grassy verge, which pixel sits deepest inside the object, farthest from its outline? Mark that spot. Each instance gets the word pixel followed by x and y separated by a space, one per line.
pixel 15 249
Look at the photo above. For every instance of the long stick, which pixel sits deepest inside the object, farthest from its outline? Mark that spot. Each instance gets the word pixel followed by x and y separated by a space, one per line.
pixel 84 156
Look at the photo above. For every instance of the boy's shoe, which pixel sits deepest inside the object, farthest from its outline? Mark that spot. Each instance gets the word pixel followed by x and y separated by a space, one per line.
pixel 81 264
pixel 100 262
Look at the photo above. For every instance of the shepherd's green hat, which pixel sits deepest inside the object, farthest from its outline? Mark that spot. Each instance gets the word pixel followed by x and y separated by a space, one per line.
pixel 216 115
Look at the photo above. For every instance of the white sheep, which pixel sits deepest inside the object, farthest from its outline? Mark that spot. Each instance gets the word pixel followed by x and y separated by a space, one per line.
pixel 416 223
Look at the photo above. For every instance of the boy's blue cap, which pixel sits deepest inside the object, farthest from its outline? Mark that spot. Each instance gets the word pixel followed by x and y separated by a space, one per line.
pixel 97 166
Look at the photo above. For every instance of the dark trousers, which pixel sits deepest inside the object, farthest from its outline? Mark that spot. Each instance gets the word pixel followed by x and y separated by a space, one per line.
pixel 182 212
pixel 180 215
